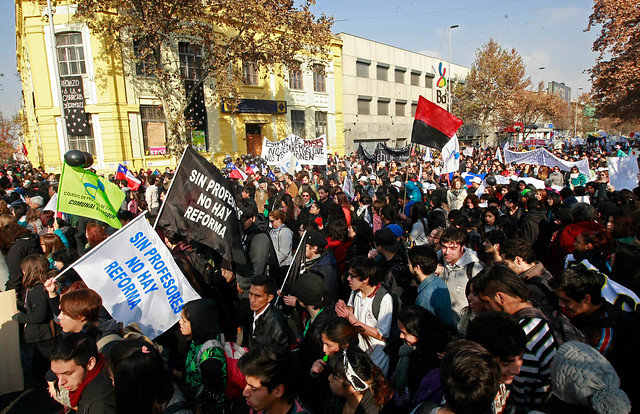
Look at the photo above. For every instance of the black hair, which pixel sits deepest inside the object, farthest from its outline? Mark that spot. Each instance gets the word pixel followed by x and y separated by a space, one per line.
pixel 66 256
pixel 425 257
pixel 125 215
pixel 266 281
pixel 247 210
pixel 364 268
pixel 500 278
pixel 499 332
pixel 272 366
pixel 432 333
pixel 577 282
pixel 138 369
pixel 172 236
pixel 77 347
pixel 470 378
pixel 517 247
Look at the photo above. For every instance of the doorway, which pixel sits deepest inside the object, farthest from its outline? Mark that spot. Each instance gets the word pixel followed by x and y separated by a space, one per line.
pixel 254 139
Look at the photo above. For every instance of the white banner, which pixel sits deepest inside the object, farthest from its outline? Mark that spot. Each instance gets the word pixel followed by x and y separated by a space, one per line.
pixel 623 172
pixel 306 151
pixel 137 278
pixel 541 156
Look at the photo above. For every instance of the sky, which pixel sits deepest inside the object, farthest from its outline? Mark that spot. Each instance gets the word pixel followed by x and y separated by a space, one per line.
pixel 546 33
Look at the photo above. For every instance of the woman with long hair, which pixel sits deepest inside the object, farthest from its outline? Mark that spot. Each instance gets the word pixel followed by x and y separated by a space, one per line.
pixel 425 336
pixel 470 206
pixel 137 369
pixel 51 243
pixel 342 200
pixel 337 335
pixel 39 328
pixel 419 224
pixel 553 203
pixel 490 219
pixel 594 247
pixel 95 234
pixel 16 242
pixel 359 385
pixel 456 194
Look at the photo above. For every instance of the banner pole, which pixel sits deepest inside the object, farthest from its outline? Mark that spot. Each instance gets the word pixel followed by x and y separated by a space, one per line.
pixel 90 252
pixel 155 223
pixel 284 282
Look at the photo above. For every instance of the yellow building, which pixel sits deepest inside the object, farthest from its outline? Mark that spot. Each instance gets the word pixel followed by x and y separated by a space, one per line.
pixel 126 122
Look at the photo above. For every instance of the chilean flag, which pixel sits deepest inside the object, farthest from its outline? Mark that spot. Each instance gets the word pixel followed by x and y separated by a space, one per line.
pixel 124 174
pixel 433 126
pixel 236 173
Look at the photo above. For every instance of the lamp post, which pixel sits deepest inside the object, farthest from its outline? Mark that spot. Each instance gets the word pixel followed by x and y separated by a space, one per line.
pixel 575 125
pixel 449 70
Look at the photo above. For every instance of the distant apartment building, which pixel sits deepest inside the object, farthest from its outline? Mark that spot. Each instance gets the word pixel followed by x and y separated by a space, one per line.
pixel 560 89
pixel 380 89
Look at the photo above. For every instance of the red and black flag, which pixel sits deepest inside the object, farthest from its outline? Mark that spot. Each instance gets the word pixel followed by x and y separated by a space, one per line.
pixel 433 126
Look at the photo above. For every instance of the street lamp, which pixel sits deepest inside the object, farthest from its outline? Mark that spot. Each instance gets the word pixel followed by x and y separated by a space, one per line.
pixel 575 125
pixel 449 69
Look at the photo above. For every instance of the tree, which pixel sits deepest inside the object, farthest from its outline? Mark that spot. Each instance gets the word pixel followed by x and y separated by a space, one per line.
pixel 10 135
pixel 616 74
pixel 216 36
pixel 496 78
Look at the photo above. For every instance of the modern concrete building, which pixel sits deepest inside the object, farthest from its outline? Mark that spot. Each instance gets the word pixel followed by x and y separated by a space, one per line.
pixel 560 89
pixel 381 86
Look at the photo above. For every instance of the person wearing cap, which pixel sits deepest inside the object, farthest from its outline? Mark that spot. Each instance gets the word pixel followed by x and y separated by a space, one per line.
pixel 371 186
pixel 309 289
pixel 393 263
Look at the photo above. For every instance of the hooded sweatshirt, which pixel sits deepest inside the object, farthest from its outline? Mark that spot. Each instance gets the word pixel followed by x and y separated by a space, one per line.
pixel 456 278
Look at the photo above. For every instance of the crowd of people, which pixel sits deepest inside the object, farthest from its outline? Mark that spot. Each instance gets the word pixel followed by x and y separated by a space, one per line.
pixel 415 292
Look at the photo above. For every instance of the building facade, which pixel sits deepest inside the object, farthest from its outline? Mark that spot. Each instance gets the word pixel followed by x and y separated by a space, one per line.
pixel 560 89
pixel 381 86
pixel 126 122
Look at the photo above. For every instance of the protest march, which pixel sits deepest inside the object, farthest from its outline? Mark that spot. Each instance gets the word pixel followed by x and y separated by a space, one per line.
pixel 296 280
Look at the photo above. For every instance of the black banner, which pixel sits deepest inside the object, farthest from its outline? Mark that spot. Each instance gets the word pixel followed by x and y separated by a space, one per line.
pixel 365 155
pixel 384 153
pixel 201 205
pixel 73 104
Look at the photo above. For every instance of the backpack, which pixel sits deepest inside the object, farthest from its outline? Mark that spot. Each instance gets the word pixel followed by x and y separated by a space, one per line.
pixel 393 342
pixel 232 354
pixel 561 327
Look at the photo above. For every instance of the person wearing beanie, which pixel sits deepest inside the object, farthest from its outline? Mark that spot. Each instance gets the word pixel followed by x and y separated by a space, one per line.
pixel 309 289
pixel 581 377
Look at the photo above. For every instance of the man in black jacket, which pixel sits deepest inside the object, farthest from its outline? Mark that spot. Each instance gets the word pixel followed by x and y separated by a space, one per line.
pixel 267 325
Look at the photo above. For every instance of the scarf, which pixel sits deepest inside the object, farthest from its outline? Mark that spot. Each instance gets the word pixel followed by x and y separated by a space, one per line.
pixel 74 396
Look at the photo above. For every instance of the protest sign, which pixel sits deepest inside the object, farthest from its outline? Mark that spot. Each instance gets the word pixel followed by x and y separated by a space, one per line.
pixel 11 379
pixel 387 154
pixel 306 151
pixel 201 205
pixel 134 273
pixel 71 88
pixel 365 155
pixel 541 156
pixel 84 193
pixel 623 172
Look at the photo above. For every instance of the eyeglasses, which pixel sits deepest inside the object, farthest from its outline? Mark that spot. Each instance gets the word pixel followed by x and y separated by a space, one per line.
pixel 306 195
pixel 271 221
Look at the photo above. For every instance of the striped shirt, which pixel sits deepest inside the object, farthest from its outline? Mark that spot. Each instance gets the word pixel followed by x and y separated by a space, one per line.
pixel 532 386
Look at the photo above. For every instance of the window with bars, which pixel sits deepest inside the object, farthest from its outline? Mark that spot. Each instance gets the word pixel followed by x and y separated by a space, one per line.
pixel 382 73
pixel 154 128
pixel 364 106
pixel 400 109
pixel 321 123
pixel 190 60
pixel 71 54
pixel 250 73
pixel 295 79
pixel 85 143
pixel 319 78
pixel 400 75
pixel 145 64
pixel 297 123
pixel 362 69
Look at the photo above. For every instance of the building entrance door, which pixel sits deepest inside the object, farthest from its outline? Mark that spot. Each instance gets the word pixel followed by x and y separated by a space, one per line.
pixel 254 139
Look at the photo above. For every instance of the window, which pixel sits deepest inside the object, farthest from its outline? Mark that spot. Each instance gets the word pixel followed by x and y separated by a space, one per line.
pixel 295 79
pixel 415 78
pixel 190 60
pixel 382 72
pixel 85 143
pixel 297 123
pixel 383 107
pixel 145 59
pixel 400 75
pixel 400 108
pixel 319 78
pixel 321 123
pixel 364 106
pixel 428 81
pixel 362 69
pixel 414 108
pixel 71 54
pixel 250 73
pixel 154 129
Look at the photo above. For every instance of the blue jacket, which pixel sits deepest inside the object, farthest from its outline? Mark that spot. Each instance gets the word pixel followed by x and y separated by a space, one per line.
pixel 433 295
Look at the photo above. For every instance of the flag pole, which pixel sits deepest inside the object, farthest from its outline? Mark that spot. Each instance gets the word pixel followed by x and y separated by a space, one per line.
pixel 406 178
pixel 284 282
pixel 155 223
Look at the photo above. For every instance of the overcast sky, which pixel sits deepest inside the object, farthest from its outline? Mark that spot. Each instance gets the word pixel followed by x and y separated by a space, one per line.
pixel 546 33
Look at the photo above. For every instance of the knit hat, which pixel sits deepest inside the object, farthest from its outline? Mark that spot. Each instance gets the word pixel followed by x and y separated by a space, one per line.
pixel 309 289
pixel 580 375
